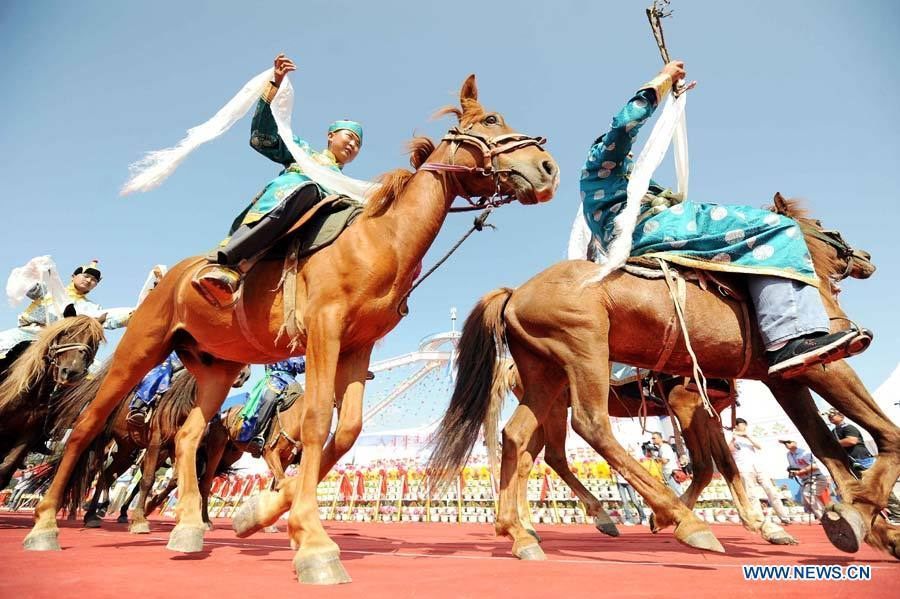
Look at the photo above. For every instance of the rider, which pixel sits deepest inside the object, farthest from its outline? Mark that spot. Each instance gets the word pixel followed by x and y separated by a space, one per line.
pixel 284 199
pixel 792 320
pixel 264 397
pixel 154 384
pixel 41 311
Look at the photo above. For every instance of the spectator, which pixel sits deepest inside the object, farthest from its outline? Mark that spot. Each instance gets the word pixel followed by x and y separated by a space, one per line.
pixel 851 440
pixel 668 460
pixel 628 495
pixel 744 448
pixel 813 484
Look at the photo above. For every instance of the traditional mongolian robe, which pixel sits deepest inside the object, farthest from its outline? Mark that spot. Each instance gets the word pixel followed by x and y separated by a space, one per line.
pixel 728 238
pixel 156 382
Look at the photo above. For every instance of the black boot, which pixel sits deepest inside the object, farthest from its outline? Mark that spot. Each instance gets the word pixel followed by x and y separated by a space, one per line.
pixel 820 348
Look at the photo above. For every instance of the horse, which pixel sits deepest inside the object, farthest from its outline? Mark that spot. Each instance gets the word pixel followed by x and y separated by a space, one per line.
pixel 702 434
pixel 343 299
pixel 559 329
pixel 156 437
pixel 58 358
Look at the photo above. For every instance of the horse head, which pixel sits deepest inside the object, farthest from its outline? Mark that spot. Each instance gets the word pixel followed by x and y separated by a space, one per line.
pixel 70 347
pixel 834 258
pixel 488 158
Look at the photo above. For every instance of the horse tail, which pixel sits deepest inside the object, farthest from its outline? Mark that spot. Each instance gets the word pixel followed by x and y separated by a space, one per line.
pixel 479 347
pixel 175 405
pixel 506 380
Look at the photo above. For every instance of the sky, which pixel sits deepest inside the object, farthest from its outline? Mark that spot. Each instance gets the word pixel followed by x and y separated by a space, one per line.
pixel 793 97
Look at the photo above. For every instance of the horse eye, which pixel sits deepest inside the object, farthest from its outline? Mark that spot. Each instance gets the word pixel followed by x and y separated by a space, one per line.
pixel 491 119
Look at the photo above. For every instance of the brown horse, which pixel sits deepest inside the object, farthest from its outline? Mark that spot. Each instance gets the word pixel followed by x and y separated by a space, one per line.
pixel 702 434
pixel 29 393
pixel 156 437
pixel 347 296
pixel 559 330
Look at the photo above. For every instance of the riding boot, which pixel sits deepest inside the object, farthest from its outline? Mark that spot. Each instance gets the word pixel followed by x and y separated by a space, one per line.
pixel 267 405
pixel 220 282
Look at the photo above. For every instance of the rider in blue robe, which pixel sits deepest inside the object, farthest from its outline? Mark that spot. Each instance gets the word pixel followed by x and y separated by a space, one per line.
pixel 155 383
pixel 742 239
pixel 264 398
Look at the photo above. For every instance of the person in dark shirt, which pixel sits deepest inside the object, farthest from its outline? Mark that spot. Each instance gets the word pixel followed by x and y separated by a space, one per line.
pixel 851 440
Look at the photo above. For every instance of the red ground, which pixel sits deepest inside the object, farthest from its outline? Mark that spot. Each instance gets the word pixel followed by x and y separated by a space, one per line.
pixel 423 560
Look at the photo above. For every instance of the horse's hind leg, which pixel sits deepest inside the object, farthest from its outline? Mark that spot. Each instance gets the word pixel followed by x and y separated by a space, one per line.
pixel 216 440
pixel 589 388
pixel 213 383
pixel 555 456
pixel 140 350
pixel 123 511
pixel 523 473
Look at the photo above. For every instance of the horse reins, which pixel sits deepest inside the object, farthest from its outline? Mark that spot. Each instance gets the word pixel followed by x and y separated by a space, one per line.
pixel 490 148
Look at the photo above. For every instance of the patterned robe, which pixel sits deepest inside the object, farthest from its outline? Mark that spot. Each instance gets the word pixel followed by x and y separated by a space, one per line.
pixel 729 238
pixel 156 382
pixel 278 376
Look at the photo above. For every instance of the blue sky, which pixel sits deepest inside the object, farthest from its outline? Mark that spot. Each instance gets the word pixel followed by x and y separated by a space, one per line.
pixel 794 97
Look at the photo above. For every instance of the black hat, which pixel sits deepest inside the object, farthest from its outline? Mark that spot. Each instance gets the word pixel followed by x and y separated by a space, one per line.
pixel 88 269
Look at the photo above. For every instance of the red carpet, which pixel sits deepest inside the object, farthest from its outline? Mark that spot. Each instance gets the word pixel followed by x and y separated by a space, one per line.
pixel 423 560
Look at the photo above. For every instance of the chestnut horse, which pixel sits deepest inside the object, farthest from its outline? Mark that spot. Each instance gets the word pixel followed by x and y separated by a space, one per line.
pixel 702 434
pixel 31 386
pixel 559 331
pixel 348 295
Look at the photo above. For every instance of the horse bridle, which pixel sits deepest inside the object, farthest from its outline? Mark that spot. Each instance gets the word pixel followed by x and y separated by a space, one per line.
pixel 57 349
pixel 490 148
pixel 834 239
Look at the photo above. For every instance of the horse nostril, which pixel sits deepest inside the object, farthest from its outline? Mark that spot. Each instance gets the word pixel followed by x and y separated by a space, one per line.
pixel 549 167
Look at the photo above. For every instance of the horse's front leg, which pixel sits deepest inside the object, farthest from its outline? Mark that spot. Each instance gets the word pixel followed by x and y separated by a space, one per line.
pixel 318 558
pixel 213 383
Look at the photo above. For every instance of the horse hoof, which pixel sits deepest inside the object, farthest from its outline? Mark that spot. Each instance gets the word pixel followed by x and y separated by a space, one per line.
pixel 534 534
pixel 122 519
pixel 844 527
pixel 271 529
pixel 244 522
pixel 92 522
pixel 47 540
pixel 531 553
pixel 139 528
pixel 187 539
pixel 321 568
pixel 606 527
pixel 703 539
pixel 651 521
pixel 782 538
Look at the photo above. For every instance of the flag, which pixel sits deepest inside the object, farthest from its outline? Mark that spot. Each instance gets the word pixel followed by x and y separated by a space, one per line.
pixel 360 485
pixel 346 488
pixel 545 489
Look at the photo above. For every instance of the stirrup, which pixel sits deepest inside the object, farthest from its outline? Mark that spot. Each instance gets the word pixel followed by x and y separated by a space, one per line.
pixel 220 285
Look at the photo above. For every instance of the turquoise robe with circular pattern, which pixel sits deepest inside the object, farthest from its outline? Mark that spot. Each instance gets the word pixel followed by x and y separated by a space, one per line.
pixel 716 237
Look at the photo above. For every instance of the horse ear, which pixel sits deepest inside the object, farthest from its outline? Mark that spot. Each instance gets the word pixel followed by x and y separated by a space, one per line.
pixel 102 318
pixel 69 311
pixel 469 90
pixel 780 203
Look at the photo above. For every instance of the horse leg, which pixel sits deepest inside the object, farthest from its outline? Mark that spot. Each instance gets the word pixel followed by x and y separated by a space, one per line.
pixel 213 383
pixel 266 507
pixel 589 388
pixel 123 511
pixel 555 456
pixel 139 524
pixel 132 360
pixel 542 383
pixel 523 472
pixel 848 523
pixel 216 440
pixel 11 461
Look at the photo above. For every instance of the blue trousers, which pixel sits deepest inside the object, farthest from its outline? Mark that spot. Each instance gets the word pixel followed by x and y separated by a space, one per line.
pixel 786 309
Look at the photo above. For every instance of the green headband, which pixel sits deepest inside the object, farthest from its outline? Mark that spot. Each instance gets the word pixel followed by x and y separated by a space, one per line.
pixel 352 126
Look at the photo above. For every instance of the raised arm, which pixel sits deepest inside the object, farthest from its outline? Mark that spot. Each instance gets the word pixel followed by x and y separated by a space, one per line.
pixel 263 130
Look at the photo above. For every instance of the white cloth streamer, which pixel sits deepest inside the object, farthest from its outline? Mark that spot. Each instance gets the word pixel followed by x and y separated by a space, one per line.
pixel 149 172
pixel 670 121
pixel 40 269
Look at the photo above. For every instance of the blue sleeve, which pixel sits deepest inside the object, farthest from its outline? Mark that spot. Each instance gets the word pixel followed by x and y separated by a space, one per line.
pixel 36 292
pixel 605 173
pixel 298 364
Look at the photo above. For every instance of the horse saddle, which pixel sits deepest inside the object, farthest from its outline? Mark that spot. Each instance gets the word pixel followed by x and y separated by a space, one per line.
pixel 317 228
pixel 726 284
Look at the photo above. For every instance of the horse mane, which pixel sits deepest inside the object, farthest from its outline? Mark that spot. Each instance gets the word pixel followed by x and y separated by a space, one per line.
pixel 175 405
pixel 31 366
pixel 825 261
pixel 394 182
pixel 419 148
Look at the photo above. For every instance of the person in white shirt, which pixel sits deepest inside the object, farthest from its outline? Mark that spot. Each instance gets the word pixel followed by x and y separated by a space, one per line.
pixel 744 449
pixel 668 460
